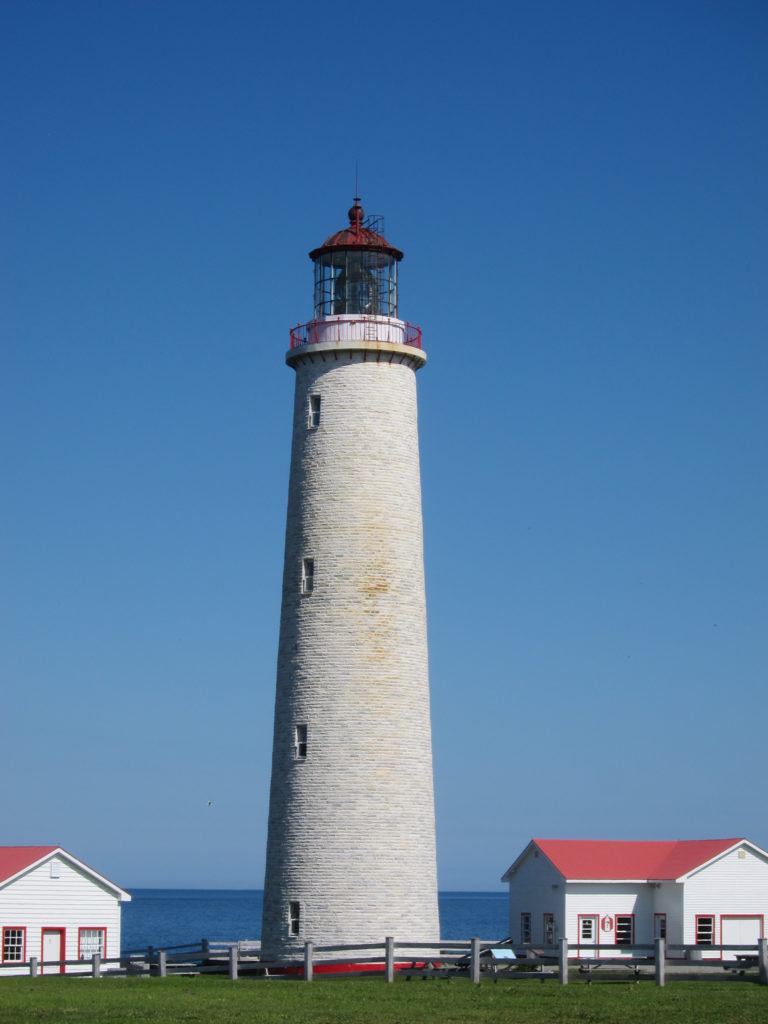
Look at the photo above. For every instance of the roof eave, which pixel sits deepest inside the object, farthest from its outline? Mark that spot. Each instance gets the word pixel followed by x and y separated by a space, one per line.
pixel 516 864
pixel 718 856
pixel 614 881
pixel 388 250
pixel 122 895
pixel 58 851
pixel 28 867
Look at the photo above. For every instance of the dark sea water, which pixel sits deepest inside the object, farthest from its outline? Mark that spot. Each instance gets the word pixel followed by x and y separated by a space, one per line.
pixel 174 917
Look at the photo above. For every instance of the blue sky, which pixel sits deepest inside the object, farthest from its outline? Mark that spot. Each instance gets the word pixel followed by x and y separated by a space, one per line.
pixel 579 190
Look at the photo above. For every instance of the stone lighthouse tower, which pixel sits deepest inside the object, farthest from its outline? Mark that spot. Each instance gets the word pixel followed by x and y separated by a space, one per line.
pixel 351 845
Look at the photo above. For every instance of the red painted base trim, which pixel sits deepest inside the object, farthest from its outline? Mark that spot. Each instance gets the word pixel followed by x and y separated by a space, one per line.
pixel 321 968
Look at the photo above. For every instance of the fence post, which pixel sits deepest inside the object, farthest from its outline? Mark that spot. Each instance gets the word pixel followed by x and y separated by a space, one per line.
pixel 308 966
pixel 762 961
pixel 474 969
pixel 660 955
pixel 33 966
pixel 204 945
pixel 233 951
pixel 562 961
pixel 389 956
pixel 96 965
pixel 162 965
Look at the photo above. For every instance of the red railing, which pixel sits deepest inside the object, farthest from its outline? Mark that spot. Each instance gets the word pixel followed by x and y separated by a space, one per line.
pixel 356 329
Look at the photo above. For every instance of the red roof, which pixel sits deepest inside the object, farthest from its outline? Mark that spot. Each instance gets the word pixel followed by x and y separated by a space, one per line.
pixel 614 859
pixel 356 237
pixel 15 858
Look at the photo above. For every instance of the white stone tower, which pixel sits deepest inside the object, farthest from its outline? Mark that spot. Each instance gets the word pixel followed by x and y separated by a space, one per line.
pixel 351 845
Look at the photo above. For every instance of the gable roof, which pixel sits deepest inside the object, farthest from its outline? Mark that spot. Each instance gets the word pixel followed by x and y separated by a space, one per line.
pixel 617 859
pixel 15 860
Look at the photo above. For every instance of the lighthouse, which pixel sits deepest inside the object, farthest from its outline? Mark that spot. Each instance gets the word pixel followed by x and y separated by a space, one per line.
pixel 351 837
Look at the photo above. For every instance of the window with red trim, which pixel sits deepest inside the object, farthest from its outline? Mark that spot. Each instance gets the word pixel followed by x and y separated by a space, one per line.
pixel 625 929
pixel 705 930
pixel 14 941
pixel 91 941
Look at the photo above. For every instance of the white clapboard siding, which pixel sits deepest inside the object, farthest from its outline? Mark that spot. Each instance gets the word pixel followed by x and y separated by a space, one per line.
pixel 76 899
pixel 539 890
pixel 730 887
pixel 735 884
pixel 669 899
pixel 606 901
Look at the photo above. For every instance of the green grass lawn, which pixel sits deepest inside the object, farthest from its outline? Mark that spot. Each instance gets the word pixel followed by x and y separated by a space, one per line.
pixel 371 1001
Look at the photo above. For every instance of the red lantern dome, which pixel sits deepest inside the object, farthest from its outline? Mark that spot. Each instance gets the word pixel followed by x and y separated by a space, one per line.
pixel 356 271
pixel 356 236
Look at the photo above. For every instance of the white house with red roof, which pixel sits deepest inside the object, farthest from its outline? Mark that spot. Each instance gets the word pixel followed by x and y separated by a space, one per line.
pixel 703 892
pixel 54 907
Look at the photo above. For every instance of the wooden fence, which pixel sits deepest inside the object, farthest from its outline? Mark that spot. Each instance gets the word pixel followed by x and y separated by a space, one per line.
pixel 473 959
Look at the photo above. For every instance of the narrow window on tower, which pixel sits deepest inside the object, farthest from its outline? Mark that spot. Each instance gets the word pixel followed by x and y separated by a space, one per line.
pixel 300 742
pixel 307 575
pixel 294 917
pixel 314 412
pixel 525 928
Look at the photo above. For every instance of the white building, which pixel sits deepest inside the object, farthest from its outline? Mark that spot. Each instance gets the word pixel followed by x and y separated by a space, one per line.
pixel 707 892
pixel 351 842
pixel 54 907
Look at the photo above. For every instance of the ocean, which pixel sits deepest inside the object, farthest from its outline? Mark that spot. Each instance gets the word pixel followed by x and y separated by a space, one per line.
pixel 175 917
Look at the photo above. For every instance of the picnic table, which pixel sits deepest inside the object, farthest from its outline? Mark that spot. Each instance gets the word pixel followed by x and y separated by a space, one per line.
pixel 743 962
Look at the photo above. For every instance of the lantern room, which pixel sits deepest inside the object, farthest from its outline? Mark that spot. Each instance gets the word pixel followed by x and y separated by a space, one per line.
pixel 356 271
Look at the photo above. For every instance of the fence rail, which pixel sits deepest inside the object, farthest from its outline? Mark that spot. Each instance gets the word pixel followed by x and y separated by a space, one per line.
pixel 473 958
